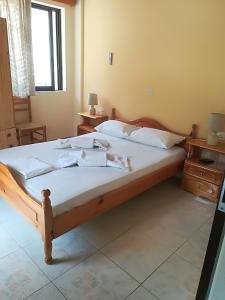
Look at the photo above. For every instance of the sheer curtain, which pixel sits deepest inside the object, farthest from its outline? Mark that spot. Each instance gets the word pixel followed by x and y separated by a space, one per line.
pixel 18 15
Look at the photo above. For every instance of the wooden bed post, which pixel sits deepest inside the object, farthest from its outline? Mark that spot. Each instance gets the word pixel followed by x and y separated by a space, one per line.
pixel 113 114
pixel 194 132
pixel 47 226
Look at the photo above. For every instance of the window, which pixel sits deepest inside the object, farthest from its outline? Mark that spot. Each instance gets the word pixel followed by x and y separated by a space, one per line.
pixel 47 47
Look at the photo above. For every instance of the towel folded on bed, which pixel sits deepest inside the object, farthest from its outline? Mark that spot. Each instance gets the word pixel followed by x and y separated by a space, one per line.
pixel 82 142
pixel 68 159
pixel 90 158
pixel 87 158
pixel 31 167
pixel 117 161
pixel 63 144
pixel 89 143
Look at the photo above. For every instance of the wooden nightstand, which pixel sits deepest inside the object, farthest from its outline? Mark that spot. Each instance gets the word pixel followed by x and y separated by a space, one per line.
pixel 200 178
pixel 89 122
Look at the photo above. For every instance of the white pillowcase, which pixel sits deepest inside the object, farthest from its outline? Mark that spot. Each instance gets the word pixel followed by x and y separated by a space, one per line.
pixel 155 137
pixel 116 128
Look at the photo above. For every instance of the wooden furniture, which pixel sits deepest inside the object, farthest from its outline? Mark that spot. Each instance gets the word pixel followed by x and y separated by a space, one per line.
pixel 36 132
pixel 70 2
pixel 7 128
pixel 200 178
pixel 50 227
pixel 89 122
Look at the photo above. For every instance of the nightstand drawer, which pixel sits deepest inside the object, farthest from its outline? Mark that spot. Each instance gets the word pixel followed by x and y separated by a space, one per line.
pixel 83 129
pixel 213 176
pixel 200 187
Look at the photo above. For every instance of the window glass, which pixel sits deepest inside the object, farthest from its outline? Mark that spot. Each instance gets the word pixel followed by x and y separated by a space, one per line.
pixel 47 47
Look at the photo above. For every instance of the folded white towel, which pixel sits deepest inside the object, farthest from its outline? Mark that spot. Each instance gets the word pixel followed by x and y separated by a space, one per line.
pixel 117 161
pixel 63 144
pixel 101 144
pixel 31 167
pixel 68 159
pixel 90 158
pixel 82 142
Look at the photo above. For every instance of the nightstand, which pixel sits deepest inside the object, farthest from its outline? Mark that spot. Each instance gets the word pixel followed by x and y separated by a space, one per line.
pixel 89 122
pixel 203 179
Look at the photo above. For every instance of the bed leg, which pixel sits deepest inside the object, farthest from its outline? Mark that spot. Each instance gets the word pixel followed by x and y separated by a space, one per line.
pixel 48 252
pixel 47 226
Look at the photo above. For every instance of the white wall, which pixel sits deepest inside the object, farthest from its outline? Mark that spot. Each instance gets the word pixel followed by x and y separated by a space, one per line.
pixel 57 109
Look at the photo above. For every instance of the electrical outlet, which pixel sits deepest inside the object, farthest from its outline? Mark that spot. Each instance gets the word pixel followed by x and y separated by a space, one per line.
pixel 150 92
pixel 221 136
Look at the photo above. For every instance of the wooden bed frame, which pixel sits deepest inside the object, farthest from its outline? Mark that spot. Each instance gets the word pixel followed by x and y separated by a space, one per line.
pixel 40 214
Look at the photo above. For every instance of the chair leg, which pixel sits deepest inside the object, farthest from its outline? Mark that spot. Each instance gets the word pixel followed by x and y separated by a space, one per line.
pixel 31 138
pixel 44 134
pixel 19 138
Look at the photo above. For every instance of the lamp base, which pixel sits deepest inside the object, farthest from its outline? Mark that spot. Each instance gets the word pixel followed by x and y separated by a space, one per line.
pixel 92 110
pixel 212 139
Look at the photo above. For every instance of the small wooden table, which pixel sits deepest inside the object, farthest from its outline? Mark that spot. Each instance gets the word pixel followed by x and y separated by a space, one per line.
pixel 201 178
pixel 89 122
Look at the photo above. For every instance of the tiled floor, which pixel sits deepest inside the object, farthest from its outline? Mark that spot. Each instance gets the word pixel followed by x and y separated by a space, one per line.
pixel 150 248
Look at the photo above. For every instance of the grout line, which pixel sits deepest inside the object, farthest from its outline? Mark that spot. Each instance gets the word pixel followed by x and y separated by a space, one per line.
pixel 99 250
pixel 74 266
pixel 71 267
pixel 115 263
pixel 115 238
pixel 59 290
pixel 37 290
pixel 131 293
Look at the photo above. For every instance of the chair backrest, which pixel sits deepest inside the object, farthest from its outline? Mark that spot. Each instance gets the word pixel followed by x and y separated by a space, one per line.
pixel 22 105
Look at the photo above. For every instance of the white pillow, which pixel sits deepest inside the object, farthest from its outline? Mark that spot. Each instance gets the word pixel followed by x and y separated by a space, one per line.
pixel 116 128
pixel 155 137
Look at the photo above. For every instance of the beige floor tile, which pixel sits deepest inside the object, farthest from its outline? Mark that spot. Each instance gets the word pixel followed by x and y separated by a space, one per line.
pixel 21 230
pixel 194 249
pixel 19 276
pixel 141 294
pixel 206 228
pixel 97 278
pixel 104 228
pixel 137 253
pixel 165 235
pixel 7 211
pixel 68 250
pixel 186 220
pixel 176 279
pixel 7 244
pixel 49 292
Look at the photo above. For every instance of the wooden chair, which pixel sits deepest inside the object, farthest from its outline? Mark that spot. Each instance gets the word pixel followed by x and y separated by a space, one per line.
pixel 36 132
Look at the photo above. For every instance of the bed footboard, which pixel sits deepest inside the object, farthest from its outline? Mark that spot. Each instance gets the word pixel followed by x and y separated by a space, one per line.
pixel 11 191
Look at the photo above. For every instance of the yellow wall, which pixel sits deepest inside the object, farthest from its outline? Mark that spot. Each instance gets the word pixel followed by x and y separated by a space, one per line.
pixel 174 47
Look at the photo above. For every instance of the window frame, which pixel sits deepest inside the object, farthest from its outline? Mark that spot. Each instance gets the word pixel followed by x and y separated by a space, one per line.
pixel 58 28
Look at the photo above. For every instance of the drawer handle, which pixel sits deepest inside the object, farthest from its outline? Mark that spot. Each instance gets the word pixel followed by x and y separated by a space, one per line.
pixel 201 173
pixel 101 201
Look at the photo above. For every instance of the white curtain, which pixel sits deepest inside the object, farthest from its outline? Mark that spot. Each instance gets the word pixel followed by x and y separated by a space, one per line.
pixel 18 15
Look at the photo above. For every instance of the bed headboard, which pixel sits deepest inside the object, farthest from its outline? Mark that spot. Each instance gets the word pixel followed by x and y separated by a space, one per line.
pixel 151 123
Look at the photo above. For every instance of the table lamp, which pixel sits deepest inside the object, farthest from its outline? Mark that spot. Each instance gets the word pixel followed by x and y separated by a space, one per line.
pixel 92 100
pixel 216 124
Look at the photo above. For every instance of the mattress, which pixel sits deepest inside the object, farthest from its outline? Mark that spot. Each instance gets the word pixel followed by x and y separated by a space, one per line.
pixel 75 186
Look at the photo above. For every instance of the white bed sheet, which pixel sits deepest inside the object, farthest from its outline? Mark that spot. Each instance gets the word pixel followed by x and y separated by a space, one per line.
pixel 74 186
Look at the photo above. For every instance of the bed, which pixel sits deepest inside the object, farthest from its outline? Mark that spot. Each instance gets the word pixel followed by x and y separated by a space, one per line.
pixel 55 202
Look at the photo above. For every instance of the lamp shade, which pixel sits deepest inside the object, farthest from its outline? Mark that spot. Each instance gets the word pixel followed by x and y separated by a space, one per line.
pixel 216 122
pixel 92 99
